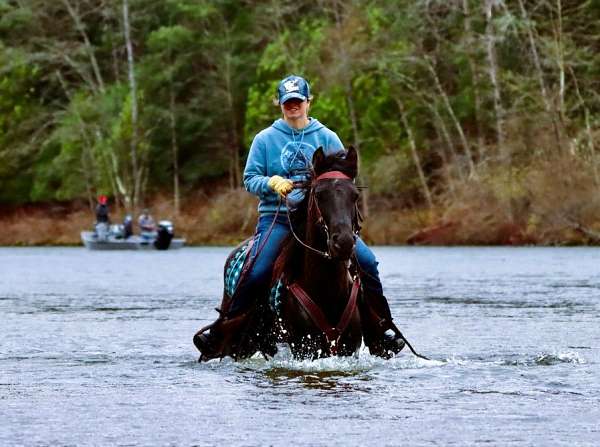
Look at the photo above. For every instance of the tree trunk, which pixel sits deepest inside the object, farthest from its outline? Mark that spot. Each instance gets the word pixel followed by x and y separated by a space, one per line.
pixel 88 46
pixel 475 74
pixel 560 59
pixel 588 129
pixel 136 171
pixel 499 109
pixel 446 166
pixel 452 160
pixel 493 74
pixel 455 120
pixel 235 176
pixel 174 149
pixel 540 76
pixel 414 153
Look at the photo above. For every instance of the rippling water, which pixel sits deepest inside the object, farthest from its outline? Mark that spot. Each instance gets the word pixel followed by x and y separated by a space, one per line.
pixel 96 350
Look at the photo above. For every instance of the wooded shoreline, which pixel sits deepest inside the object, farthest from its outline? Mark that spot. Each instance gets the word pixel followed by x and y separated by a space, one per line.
pixel 212 220
pixel 477 120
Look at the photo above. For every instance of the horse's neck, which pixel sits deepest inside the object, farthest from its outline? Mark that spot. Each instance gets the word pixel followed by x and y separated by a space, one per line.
pixel 325 280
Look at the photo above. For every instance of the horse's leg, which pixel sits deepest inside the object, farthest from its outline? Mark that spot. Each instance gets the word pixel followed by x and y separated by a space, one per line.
pixel 352 339
pixel 263 335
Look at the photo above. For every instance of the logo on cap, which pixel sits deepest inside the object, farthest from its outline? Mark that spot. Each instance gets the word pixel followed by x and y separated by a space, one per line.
pixel 291 86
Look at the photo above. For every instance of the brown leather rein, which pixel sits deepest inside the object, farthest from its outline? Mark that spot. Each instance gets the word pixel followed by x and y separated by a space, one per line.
pixel 332 334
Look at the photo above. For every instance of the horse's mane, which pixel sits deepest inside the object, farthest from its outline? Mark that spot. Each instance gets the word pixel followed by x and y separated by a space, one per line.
pixel 289 260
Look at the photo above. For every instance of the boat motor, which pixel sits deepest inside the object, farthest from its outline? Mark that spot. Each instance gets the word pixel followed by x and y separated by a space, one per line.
pixel 117 230
pixel 164 235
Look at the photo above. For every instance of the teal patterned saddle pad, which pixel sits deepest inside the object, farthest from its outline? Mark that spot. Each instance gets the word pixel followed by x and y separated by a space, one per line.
pixel 234 267
pixel 235 264
pixel 276 296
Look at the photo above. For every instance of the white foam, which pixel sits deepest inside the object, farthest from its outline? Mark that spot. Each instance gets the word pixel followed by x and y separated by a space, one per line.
pixel 360 362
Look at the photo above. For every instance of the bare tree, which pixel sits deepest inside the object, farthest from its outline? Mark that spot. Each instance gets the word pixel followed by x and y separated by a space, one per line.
pixel 539 73
pixel 588 129
pixel 471 45
pixel 174 148
pixel 414 152
pixel 88 46
pixel 136 170
pixel 560 58
pixel 443 132
pixel 493 74
pixel 455 120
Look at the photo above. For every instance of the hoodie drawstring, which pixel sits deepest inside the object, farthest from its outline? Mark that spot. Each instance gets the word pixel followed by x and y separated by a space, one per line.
pixel 297 145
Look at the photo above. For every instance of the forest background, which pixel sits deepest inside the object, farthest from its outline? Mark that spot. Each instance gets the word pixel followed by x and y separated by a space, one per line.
pixel 477 121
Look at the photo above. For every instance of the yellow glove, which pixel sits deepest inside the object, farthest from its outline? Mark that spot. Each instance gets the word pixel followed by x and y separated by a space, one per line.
pixel 281 185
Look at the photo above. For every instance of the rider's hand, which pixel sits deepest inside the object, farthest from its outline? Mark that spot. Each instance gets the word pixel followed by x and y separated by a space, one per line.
pixel 281 185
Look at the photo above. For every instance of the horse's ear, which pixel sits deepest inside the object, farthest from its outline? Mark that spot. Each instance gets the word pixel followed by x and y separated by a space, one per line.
pixel 352 157
pixel 318 158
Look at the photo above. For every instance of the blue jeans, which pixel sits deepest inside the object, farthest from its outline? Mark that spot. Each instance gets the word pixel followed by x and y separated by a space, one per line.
pixel 259 276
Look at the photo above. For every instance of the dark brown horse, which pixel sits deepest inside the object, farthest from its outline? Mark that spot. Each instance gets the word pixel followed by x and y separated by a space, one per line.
pixel 315 278
pixel 317 272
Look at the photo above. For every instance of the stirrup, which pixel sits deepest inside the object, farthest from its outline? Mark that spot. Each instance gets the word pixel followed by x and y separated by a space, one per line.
pixel 203 343
pixel 405 342
pixel 393 342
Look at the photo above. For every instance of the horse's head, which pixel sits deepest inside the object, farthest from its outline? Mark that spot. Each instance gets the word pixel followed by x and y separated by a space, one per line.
pixel 334 197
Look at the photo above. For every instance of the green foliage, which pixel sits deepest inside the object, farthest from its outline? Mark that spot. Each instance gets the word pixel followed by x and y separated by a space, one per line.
pixel 207 73
pixel 14 20
pixel 19 117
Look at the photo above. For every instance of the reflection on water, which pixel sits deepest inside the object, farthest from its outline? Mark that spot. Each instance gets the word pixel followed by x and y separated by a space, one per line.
pixel 96 350
pixel 324 380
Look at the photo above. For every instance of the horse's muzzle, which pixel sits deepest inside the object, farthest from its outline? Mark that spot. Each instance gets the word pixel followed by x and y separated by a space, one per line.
pixel 341 245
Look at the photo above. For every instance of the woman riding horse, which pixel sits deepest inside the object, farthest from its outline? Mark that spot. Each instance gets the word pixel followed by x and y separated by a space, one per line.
pixel 279 158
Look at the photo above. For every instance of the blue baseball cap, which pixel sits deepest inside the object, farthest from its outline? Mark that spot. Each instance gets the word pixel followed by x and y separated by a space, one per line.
pixel 293 87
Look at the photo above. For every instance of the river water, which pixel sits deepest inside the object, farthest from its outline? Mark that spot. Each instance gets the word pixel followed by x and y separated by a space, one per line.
pixel 96 350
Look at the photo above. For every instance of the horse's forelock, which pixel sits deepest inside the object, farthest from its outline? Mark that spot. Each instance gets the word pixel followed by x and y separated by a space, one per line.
pixel 338 162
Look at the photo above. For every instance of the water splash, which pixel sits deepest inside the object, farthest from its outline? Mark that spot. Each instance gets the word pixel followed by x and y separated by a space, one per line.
pixel 541 359
pixel 362 362
pixel 547 359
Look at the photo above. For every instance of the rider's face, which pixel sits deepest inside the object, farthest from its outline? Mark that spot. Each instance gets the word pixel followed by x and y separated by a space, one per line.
pixel 294 109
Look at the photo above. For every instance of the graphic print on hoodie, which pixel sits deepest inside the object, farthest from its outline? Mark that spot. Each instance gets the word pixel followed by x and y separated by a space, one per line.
pixel 282 150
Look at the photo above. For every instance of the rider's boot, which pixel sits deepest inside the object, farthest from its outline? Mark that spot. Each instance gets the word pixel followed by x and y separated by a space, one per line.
pixel 381 335
pixel 223 337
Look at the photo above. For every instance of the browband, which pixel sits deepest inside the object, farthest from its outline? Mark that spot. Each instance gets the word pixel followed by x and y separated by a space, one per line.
pixel 332 175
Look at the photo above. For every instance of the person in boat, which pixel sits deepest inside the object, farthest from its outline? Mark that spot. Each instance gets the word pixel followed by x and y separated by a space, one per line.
pixel 102 210
pixel 147 224
pixel 279 156
pixel 127 226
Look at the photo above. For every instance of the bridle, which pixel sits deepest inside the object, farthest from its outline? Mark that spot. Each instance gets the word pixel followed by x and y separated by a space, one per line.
pixel 314 203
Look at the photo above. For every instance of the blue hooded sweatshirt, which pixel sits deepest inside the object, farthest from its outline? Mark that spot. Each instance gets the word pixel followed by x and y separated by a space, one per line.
pixel 285 151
